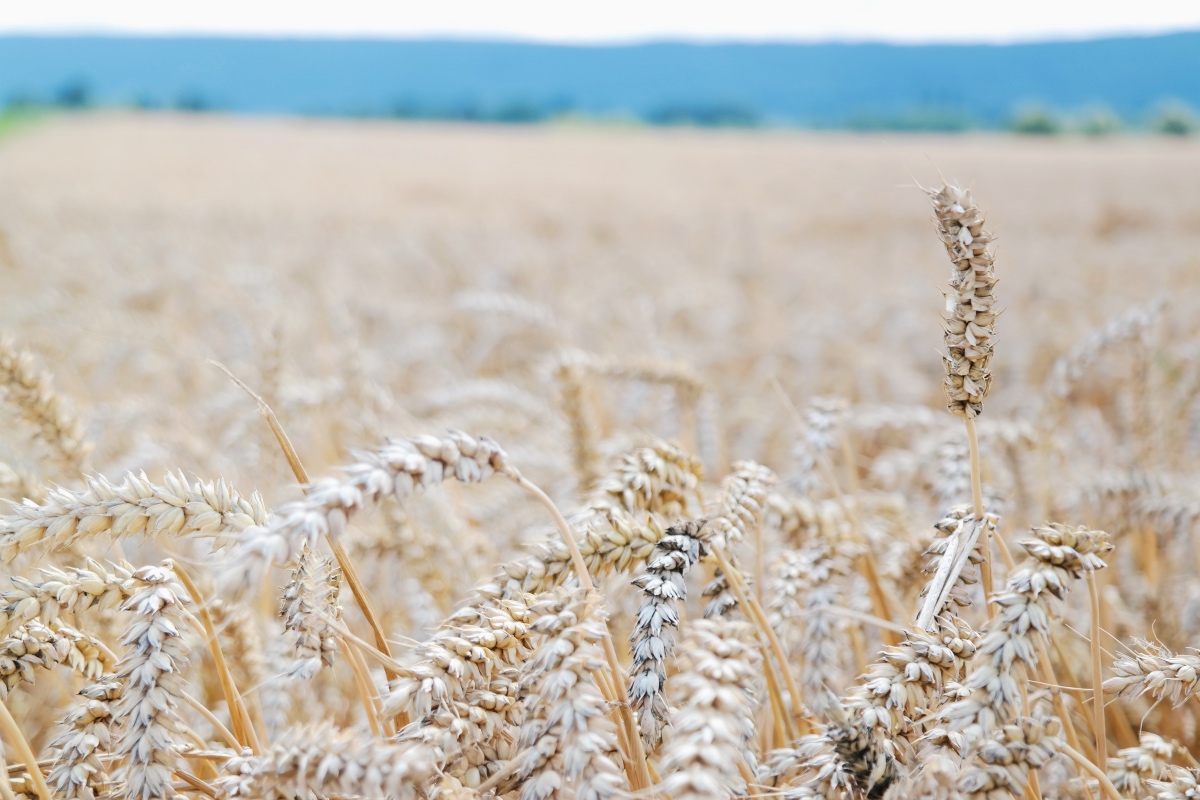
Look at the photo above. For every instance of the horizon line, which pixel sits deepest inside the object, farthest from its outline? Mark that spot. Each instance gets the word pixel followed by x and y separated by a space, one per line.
pixel 458 37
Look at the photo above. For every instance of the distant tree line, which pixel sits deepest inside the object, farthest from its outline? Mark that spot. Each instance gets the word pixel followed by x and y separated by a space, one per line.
pixel 1170 117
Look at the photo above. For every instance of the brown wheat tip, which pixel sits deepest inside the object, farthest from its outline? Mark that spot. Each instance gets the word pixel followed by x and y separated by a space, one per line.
pixel 970 324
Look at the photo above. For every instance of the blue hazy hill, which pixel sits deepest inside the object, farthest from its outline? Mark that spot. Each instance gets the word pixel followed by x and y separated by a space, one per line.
pixel 809 84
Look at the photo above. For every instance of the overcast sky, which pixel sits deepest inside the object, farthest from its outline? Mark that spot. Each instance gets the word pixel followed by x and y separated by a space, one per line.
pixel 616 20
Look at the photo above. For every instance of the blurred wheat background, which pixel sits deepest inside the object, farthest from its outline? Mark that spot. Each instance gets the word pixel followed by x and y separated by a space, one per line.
pixel 576 293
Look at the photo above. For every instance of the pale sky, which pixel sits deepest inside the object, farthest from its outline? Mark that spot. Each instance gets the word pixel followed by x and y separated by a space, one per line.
pixel 615 20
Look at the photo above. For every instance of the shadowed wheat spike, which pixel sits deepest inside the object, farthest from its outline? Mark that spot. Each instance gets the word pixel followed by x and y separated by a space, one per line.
pixel 652 641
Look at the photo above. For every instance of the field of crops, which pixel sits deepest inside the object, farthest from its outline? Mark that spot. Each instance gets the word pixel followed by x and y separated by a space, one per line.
pixel 708 367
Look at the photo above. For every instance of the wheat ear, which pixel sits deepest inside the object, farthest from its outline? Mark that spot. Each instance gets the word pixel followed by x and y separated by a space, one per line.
pixel 714 720
pixel 79 771
pixel 568 741
pixel 969 330
pixel 134 506
pixel 152 674
pixel 32 394
pixel 653 637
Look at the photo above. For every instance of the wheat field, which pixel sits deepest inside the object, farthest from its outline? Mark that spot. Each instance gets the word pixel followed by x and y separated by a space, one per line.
pixel 659 490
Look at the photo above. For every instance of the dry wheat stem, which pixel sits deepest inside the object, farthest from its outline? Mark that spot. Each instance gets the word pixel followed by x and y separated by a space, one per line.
pixel 12 732
pixel 362 682
pixel 1090 768
pixel 985 536
pixel 212 719
pixel 243 728
pixel 1097 677
pixel 759 620
pixel 6 787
